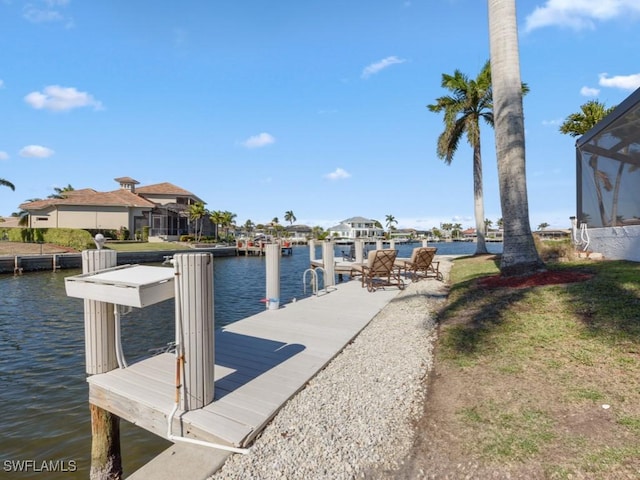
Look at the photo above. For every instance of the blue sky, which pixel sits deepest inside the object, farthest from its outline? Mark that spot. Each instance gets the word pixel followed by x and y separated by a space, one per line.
pixel 318 107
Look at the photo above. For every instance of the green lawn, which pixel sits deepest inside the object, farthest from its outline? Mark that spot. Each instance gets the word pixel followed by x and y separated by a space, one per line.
pixel 551 373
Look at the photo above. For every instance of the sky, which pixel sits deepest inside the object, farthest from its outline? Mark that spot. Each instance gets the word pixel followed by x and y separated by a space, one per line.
pixel 315 107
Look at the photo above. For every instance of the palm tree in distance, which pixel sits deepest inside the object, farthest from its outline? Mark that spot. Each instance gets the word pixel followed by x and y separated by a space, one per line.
pixel 470 101
pixel 249 226
pixel 61 192
pixel 519 254
pixel 196 213
pixel 217 218
pixel 227 221
pixel 580 123
pixel 390 220
pixel 289 217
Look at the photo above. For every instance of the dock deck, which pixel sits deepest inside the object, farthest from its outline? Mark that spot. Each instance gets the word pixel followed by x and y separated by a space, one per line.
pixel 261 362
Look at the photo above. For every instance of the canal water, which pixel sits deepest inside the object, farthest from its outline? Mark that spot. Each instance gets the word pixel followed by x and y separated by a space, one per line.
pixel 45 429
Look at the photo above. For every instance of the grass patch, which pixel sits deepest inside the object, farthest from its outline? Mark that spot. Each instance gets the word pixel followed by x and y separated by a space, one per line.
pixel 508 436
pixel 537 364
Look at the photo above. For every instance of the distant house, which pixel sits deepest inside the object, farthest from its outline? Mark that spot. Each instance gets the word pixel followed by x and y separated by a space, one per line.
pixel 356 227
pixel 404 233
pixel 163 207
pixel 299 233
pixel 607 217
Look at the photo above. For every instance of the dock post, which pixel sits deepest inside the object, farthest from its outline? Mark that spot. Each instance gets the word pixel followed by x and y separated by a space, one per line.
pixel 100 355
pixel 425 243
pixel 312 250
pixel 379 244
pixel 195 327
pixel 359 248
pixel 328 264
pixel 17 269
pixel 272 266
pixel 392 244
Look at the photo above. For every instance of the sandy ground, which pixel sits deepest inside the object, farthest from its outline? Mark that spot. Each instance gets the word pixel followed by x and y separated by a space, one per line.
pixel 19 248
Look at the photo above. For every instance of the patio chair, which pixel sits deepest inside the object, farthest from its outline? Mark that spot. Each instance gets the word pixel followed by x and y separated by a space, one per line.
pixel 379 271
pixel 421 264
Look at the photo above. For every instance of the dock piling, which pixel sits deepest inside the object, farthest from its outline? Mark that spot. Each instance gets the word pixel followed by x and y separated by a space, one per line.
pixel 272 266
pixel 100 346
pixel 195 327
pixel 328 264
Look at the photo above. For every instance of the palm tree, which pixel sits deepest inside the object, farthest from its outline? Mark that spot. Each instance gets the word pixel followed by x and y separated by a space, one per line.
pixel 60 192
pixel 249 226
pixel 217 218
pixel 196 213
pixel 543 225
pixel 227 222
pixel 275 223
pixel 390 220
pixel 289 217
pixel 487 225
pixel 470 102
pixel 580 123
pixel 519 254
pixel 7 183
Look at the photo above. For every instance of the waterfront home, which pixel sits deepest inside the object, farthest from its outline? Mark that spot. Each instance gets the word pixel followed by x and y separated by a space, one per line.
pixel 299 233
pixel 163 207
pixel 357 227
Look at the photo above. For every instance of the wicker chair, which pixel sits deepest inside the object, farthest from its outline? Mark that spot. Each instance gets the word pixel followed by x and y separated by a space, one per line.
pixel 421 264
pixel 380 270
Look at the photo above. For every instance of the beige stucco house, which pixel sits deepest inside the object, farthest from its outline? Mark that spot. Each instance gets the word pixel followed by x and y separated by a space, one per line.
pixel 163 207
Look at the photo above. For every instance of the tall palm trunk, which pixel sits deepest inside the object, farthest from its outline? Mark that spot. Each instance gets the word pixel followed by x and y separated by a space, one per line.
pixel 481 246
pixel 519 255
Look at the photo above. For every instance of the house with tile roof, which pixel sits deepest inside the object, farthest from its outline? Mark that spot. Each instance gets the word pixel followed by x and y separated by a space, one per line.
pixel 163 207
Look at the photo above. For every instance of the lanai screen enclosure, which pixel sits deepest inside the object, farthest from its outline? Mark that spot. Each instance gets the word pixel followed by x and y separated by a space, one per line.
pixel 608 182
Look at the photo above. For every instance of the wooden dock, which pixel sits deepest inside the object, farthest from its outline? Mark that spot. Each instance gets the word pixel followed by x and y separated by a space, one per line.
pixel 258 248
pixel 260 363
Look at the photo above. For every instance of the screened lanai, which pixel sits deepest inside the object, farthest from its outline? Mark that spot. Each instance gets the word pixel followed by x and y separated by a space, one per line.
pixel 608 180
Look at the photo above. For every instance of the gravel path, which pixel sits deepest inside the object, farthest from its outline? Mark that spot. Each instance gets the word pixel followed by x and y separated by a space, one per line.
pixel 355 418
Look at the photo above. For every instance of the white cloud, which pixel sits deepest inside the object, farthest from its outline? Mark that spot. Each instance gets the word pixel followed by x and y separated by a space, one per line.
pixel 57 98
pixel 36 151
pixel 260 140
pixel 579 14
pixel 1 83
pixel 626 82
pixel 589 92
pixel 47 13
pixel 338 174
pixel 552 123
pixel 4 155
pixel 381 65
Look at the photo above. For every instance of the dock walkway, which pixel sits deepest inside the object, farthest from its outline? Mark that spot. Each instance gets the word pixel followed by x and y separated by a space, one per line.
pixel 261 362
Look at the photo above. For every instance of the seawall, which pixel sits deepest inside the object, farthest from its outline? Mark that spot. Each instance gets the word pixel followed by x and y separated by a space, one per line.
pixel 17 264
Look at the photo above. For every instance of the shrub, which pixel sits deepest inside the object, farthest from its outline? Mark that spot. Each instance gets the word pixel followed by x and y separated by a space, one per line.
pixel 555 250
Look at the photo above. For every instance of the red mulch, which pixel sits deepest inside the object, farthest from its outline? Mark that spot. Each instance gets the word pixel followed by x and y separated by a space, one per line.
pixel 549 277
